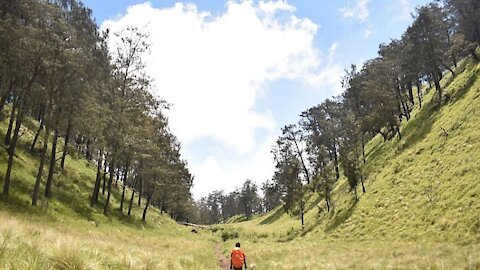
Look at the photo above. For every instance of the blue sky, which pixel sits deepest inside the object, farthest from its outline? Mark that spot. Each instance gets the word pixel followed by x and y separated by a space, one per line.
pixel 237 71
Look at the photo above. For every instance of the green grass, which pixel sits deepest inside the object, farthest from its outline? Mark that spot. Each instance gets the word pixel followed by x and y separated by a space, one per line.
pixel 64 232
pixel 421 209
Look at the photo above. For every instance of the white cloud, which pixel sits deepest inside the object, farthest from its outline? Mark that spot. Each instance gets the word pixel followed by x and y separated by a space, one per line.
pixel 221 174
pixel 271 7
pixel 359 10
pixel 212 68
pixel 367 33
pixel 331 75
pixel 404 10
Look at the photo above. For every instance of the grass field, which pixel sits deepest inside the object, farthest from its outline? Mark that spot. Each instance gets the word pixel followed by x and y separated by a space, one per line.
pixel 66 233
pixel 421 209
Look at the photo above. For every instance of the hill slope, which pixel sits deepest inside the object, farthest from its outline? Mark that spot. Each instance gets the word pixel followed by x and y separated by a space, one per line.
pixel 422 192
pixel 64 232
pixel 420 210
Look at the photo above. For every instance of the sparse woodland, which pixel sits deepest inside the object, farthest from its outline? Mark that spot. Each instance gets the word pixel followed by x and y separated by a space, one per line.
pixel 87 100
pixel 383 176
pixel 330 138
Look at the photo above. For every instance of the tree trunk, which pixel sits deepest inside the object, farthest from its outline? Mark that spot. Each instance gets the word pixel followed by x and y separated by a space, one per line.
pixel 66 140
pixel 454 59
pixel 140 186
pixel 302 210
pixel 410 93
pixel 144 215
pixel 405 110
pixel 8 135
pixel 448 68
pixel 419 93
pixel 363 149
pixel 162 208
pixel 328 205
pixel 96 189
pixel 335 161
pixel 303 163
pixel 398 131
pixel 78 145
pixel 43 154
pixel 125 175
pixel 383 135
pixel 363 185
pixel 11 152
pixel 439 90
pixel 4 97
pixel 35 139
pixel 131 202
pixel 474 55
pixel 436 81
pixel 123 197
pixel 395 128
pixel 104 173
pixel 117 175
pixel 88 153
pixel 51 169
pixel 327 196
pixel 109 188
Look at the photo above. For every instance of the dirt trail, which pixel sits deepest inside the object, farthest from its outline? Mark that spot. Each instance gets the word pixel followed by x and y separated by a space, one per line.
pixel 223 262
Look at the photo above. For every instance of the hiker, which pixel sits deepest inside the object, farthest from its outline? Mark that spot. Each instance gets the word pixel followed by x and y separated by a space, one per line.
pixel 237 258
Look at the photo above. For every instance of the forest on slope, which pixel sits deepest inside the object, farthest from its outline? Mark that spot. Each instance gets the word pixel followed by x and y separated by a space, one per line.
pixel 71 95
pixel 86 149
pixel 420 210
pixel 329 141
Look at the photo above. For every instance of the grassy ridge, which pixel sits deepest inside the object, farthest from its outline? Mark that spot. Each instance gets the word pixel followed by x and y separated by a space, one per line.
pixel 66 233
pixel 421 209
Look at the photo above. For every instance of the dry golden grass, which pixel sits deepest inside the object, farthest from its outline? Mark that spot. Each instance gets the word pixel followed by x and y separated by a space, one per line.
pixel 309 253
pixel 81 245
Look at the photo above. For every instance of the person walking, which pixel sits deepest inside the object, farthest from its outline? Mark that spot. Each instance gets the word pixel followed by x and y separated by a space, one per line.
pixel 237 258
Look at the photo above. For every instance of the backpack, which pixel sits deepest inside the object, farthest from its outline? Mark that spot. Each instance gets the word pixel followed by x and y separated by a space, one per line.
pixel 237 258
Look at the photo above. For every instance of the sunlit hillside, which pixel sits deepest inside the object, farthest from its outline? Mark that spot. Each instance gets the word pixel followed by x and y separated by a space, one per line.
pixel 421 205
pixel 64 232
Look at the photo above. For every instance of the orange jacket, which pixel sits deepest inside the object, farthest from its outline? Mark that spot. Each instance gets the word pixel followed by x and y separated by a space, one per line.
pixel 237 257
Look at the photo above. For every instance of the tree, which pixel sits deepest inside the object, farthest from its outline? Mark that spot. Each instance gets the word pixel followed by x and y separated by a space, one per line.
pixel 466 16
pixel 128 94
pixel 271 195
pixel 24 64
pixel 248 198
pixel 430 33
pixel 294 138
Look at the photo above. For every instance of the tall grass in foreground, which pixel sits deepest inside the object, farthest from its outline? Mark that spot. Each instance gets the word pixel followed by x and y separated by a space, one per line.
pixel 48 245
pixel 301 254
pixel 421 209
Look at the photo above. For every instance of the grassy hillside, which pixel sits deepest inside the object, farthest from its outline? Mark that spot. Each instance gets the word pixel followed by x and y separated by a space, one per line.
pixel 420 210
pixel 422 205
pixel 66 233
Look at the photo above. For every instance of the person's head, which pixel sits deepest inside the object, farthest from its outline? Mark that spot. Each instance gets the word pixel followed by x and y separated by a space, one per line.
pixel 237 244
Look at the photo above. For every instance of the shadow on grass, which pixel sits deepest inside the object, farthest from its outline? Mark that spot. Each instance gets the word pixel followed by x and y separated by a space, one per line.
pixel 318 199
pixel 460 93
pixel 273 217
pixel 18 203
pixel 341 216
pixel 418 129
pixel 421 126
pixel 319 219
